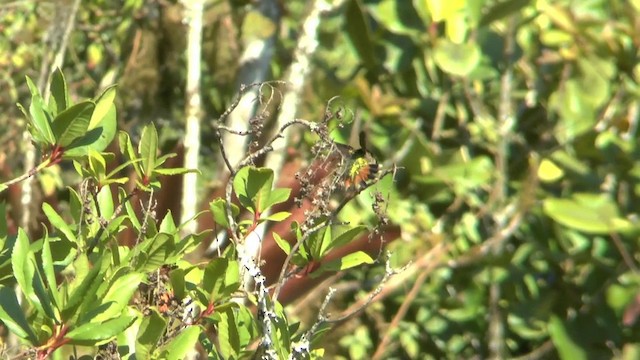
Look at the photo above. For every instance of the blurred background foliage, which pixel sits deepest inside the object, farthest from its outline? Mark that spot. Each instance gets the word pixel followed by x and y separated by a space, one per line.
pixel 514 124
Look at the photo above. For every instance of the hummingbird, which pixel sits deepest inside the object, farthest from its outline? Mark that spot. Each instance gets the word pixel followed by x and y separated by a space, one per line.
pixel 359 166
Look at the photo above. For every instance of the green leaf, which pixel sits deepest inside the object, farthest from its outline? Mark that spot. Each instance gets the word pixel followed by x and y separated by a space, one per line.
pixel 6 272
pixel 257 25
pixel 175 171
pixel 38 115
pixel 178 284
pixel 589 213
pixel 188 244
pixel 93 332
pixel 148 149
pixel 463 175
pixel 151 329
pixel 156 255
pixel 99 137
pixel 347 236
pixel 97 164
pixel 84 285
pixel 282 333
pixel 59 92
pixel 213 281
pixel 72 124
pixel 282 243
pixel 168 225
pixel 441 11
pixel 49 272
pixel 56 220
pixel 181 344
pixel 126 149
pixel 501 9
pixel 105 202
pixel 219 211
pixel 277 196
pixel 457 59
pixel 253 187
pixel 549 172
pixel 359 33
pixel 120 167
pixel 75 204
pixel 131 212
pixel 231 278
pixel 566 346
pixel 163 158
pixel 351 260
pixel 43 301
pixel 104 104
pixel 13 316
pixel 320 243
pixel 279 216
pixel 228 336
pixel 118 296
pixel 398 17
pixel 23 269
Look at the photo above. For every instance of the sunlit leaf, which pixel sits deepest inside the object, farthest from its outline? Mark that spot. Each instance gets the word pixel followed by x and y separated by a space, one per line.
pixel 282 243
pixel 590 213
pixel 72 123
pixel 14 317
pixel 348 261
pixel 59 92
pixel 457 59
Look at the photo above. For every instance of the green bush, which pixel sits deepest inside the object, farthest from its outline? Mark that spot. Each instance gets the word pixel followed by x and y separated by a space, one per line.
pixel 81 288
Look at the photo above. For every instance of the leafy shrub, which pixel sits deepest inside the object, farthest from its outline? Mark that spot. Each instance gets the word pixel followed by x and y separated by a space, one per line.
pixel 82 288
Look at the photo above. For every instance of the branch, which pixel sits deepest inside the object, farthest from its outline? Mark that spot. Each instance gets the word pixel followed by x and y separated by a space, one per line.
pixel 301 348
pixel 24 176
pixel 506 121
pixel 254 68
pixel 193 110
pixel 296 77
pixel 400 314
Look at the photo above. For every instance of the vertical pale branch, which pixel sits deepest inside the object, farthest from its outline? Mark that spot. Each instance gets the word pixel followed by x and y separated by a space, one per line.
pixel 193 110
pixel 297 74
pixel 259 47
pixel 307 45
pixel 259 44
pixel 506 119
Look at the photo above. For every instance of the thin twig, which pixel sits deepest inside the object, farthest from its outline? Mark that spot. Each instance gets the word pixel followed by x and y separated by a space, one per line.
pixel 400 314
pixel 300 349
pixel 428 262
pixel 542 352
pixel 353 311
pixel 223 153
pixel 438 121
pixel 506 121
pixel 233 131
pixel 22 177
pixel 628 259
